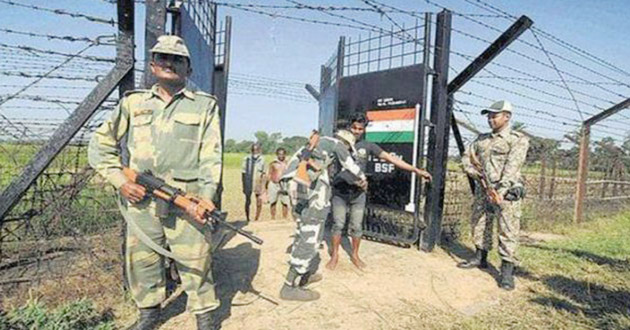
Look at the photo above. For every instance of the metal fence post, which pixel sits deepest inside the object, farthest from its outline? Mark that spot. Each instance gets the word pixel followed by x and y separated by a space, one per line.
pixel 66 131
pixel 438 138
pixel 155 26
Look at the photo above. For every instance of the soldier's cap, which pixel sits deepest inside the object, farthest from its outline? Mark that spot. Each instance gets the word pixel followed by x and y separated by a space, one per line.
pixel 498 106
pixel 345 135
pixel 174 45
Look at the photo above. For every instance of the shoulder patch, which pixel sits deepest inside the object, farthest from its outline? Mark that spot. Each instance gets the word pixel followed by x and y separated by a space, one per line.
pixel 484 136
pixel 135 91
pixel 202 93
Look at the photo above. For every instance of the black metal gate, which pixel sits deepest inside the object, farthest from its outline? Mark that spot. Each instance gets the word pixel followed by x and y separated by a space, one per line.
pixel 384 77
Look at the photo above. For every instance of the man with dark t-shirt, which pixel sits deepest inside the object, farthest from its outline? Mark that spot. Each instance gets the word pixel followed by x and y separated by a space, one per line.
pixel 346 197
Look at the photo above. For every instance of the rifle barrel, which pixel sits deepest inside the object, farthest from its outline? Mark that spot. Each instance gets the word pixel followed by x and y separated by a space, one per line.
pixel 253 238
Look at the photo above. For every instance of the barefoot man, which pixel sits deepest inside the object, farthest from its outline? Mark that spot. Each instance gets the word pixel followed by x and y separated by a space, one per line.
pixel 350 199
pixel 274 190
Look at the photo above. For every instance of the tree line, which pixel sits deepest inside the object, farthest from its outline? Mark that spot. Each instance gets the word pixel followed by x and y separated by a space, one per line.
pixel 268 142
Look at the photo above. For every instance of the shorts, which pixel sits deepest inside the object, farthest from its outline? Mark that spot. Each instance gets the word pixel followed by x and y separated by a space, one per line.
pixel 276 194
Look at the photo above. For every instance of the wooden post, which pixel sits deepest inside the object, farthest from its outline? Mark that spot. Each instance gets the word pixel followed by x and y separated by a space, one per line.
pixel 607 177
pixel 552 184
pixel 541 182
pixel 582 174
pixel 615 175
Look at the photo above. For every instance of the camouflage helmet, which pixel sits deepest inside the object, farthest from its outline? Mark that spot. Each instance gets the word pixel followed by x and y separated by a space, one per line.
pixel 346 136
pixel 168 44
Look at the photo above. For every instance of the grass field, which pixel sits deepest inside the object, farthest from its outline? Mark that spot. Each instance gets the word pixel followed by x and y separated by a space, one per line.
pixel 580 281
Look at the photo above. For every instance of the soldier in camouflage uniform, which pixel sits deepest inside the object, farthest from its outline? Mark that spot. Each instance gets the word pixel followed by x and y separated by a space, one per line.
pixel 499 155
pixel 311 209
pixel 173 132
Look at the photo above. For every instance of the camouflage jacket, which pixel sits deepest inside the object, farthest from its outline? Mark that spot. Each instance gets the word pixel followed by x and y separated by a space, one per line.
pixel 327 151
pixel 501 155
pixel 179 142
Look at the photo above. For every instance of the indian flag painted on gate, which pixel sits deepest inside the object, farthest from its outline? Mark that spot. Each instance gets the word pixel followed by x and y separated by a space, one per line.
pixel 391 126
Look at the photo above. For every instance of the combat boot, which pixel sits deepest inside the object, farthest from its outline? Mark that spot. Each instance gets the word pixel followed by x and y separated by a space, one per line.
pixel 310 278
pixel 204 321
pixel 291 289
pixel 149 318
pixel 507 276
pixel 480 260
pixel 297 293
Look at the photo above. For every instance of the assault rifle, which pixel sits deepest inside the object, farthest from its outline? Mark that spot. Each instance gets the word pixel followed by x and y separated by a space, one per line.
pixel 305 160
pixel 491 193
pixel 158 188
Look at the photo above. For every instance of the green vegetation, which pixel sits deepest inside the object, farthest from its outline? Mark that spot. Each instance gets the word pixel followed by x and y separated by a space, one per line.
pixel 581 281
pixel 268 142
pixel 78 315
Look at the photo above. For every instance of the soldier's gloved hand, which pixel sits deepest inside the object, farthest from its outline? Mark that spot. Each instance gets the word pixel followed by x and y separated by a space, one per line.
pixel 133 192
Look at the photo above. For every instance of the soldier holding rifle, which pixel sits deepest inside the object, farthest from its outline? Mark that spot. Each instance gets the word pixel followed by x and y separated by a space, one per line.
pixel 495 160
pixel 174 133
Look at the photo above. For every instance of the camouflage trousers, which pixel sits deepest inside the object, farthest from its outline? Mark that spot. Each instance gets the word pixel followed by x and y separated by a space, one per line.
pixel 146 268
pixel 310 218
pixel 507 215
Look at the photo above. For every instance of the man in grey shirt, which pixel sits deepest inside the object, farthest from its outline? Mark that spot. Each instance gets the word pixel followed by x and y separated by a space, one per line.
pixel 348 197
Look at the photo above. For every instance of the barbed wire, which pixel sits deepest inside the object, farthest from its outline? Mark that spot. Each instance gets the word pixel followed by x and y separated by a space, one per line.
pixel 30 75
pixel 53 37
pixel 295 6
pixel 520 40
pixel 488 7
pixel 577 106
pixel 110 21
pixel 52 52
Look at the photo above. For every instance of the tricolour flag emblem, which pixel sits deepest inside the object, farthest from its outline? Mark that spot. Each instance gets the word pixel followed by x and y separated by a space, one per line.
pixel 391 126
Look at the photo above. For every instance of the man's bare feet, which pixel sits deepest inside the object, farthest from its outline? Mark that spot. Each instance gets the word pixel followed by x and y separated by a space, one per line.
pixel 358 262
pixel 332 264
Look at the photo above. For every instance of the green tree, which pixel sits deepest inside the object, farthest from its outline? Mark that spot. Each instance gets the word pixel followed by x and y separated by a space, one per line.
pixel 293 143
pixel 229 146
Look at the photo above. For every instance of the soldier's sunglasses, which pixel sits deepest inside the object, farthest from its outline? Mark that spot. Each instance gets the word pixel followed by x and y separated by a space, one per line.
pixel 162 59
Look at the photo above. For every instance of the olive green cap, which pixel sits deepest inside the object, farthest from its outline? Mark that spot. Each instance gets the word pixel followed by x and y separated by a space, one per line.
pixel 173 45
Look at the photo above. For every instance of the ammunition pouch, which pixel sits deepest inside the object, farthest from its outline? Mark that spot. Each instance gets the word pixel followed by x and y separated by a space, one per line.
pixel 515 193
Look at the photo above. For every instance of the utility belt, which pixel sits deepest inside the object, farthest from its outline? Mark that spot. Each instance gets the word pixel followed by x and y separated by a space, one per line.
pixel 515 193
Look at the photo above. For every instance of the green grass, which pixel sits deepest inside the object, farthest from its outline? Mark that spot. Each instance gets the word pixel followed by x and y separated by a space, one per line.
pixel 579 282
pixel 76 315
pixel 235 160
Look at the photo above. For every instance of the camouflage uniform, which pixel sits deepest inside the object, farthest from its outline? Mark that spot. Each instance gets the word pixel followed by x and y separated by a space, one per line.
pixel 502 156
pixel 312 207
pixel 179 142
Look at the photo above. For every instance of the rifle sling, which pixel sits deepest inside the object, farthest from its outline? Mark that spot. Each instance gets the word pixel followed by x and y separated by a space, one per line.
pixel 144 238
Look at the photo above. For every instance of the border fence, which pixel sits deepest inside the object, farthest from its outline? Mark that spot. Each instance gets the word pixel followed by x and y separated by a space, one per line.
pixel 571 104
pixel 59 221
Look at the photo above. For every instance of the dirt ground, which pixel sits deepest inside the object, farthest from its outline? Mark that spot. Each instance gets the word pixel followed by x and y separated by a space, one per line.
pixel 382 297
pixel 398 283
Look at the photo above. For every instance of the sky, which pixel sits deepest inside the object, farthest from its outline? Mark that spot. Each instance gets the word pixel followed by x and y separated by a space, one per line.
pixel 272 54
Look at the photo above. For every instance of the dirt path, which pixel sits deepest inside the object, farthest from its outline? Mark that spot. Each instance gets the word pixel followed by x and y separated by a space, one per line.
pixel 382 297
